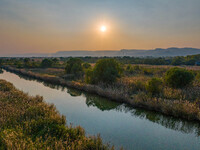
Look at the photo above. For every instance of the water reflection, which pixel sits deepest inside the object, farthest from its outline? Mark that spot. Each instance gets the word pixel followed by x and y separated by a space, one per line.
pixel 169 122
pixel 94 100
pixel 73 92
pixel 104 104
pixel 101 103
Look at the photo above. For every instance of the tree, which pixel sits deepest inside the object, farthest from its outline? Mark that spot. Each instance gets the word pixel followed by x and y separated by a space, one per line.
pixel 27 63
pixel 89 76
pixel 74 66
pixel 178 61
pixel 1 62
pixel 178 77
pixel 198 77
pixel 18 64
pixel 46 63
pixel 26 60
pixel 86 66
pixel 190 62
pixel 154 86
pixel 55 61
pixel 105 70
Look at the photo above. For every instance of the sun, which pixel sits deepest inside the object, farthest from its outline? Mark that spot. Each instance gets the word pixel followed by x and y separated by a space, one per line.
pixel 103 28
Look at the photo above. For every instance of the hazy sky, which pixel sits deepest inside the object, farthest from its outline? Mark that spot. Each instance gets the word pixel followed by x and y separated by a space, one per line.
pixel 32 26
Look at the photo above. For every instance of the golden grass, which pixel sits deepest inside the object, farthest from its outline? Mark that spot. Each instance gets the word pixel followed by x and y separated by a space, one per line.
pixel 29 123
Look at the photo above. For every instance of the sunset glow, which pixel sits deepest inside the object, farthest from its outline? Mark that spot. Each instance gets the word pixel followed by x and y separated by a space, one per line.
pixel 103 28
pixel 47 27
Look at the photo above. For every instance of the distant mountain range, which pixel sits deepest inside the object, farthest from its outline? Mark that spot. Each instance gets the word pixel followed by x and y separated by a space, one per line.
pixel 158 52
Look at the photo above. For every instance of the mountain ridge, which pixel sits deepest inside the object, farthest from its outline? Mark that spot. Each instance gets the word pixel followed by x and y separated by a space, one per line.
pixel 157 52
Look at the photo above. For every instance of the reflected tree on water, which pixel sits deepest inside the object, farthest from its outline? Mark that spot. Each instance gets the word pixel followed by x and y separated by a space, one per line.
pixel 74 92
pixel 169 122
pixel 101 103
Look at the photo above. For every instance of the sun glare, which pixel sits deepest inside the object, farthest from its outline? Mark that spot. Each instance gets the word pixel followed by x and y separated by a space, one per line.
pixel 103 28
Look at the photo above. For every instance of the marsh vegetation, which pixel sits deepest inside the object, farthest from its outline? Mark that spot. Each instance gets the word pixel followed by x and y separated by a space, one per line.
pixel 167 89
pixel 30 123
pixel 101 115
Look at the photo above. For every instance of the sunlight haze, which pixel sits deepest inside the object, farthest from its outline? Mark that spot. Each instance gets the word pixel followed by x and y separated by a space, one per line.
pixel 49 26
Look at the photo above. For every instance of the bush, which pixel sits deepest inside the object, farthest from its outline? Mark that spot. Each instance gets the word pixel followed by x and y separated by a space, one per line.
pixel 147 71
pixel 46 63
pixel 105 70
pixel 89 76
pixel 179 60
pixel 178 77
pixel 74 66
pixel 86 66
pixel 1 62
pixel 154 86
pixel 198 77
pixel 132 69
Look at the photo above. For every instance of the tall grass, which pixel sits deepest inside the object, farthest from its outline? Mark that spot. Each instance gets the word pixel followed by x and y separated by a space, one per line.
pixel 29 123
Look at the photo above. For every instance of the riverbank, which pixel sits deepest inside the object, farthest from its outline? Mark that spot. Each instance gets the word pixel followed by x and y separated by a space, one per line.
pixel 178 108
pixel 29 123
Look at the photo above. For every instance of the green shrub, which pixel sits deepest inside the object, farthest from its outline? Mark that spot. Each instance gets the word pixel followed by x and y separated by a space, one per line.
pixel 128 67
pixel 89 76
pixel 198 77
pixel 132 69
pixel 105 70
pixel 74 66
pixel 178 77
pixel 46 63
pixel 154 86
pixel 1 71
pixel 86 66
pixel 139 85
pixel 147 71
pixel 1 62
pixel 179 60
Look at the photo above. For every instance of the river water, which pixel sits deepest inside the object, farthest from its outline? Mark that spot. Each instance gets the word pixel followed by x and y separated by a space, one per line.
pixel 117 123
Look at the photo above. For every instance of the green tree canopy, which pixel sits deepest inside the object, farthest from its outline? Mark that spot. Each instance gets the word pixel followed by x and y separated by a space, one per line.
pixel 74 66
pixel 178 77
pixel 154 86
pixel 105 70
pixel 46 63
pixel 86 65
pixel 179 60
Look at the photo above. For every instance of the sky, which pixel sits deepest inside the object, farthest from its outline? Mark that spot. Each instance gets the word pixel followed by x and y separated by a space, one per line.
pixel 48 26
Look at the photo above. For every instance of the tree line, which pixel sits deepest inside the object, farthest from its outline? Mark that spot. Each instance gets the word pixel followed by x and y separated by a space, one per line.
pixel 49 62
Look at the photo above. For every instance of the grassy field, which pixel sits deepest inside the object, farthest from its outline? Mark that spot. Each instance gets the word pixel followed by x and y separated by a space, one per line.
pixel 29 123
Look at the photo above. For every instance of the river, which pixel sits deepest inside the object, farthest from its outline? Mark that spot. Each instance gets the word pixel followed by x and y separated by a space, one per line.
pixel 117 123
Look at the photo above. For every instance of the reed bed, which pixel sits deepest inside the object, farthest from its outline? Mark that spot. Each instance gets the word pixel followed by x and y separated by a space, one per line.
pixel 30 123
